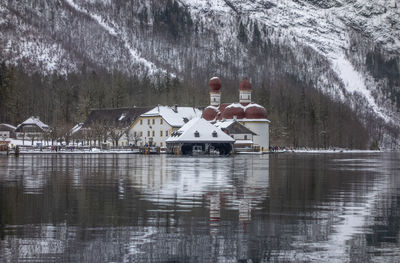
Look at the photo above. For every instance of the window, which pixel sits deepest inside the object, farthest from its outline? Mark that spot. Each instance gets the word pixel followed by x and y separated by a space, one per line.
pixel 245 137
pixel 153 133
pixel 166 133
pixel 134 134
pixel 161 121
pixel 214 134
pixel 141 121
pixel 148 121
pixel 154 121
pixel 196 134
pixel 148 133
pixel 160 133
pixel 141 134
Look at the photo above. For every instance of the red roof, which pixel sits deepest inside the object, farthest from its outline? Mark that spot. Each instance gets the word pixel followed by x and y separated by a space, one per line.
pixel 215 84
pixel 245 84
pixel 231 112
pixel 255 112
pixel 209 113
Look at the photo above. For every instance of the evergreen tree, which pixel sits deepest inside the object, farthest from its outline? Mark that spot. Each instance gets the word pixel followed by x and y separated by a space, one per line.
pixel 257 41
pixel 242 35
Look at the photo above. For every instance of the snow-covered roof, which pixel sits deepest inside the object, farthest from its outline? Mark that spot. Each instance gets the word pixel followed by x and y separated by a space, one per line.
pixel 243 142
pixel 224 124
pixel 206 131
pixel 174 116
pixel 244 107
pixel 77 128
pixel 34 121
pixel 123 115
pixel 8 125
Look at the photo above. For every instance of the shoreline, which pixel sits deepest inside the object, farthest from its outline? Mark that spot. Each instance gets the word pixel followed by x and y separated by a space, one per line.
pixel 238 153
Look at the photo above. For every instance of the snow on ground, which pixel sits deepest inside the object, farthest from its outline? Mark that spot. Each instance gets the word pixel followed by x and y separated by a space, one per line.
pixel 333 151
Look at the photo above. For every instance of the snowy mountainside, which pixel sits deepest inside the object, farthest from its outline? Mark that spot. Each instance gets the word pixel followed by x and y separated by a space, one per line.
pixel 324 43
pixel 325 26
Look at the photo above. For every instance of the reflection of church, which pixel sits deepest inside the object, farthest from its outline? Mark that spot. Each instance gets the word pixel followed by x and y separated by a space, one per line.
pixel 227 192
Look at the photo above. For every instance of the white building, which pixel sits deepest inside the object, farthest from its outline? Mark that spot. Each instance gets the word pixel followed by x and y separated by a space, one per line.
pixel 155 126
pixel 251 115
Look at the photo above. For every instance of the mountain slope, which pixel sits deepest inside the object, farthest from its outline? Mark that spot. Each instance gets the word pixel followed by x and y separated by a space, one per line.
pixel 349 49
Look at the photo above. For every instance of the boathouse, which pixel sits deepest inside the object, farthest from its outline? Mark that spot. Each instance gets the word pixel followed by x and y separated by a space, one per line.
pixel 201 137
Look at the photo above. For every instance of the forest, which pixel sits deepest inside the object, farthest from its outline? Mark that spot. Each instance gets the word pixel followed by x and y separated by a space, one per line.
pixel 300 115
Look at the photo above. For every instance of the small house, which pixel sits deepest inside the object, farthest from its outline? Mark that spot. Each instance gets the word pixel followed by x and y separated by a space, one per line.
pixel 33 128
pixel 7 131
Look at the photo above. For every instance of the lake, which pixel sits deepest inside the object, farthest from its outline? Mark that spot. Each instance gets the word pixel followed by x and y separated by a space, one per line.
pixel 341 207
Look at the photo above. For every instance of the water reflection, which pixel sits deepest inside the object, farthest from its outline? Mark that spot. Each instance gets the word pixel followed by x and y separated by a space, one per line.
pixel 128 208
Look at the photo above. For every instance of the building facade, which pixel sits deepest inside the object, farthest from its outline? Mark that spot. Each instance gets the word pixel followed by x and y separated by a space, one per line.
pixel 155 126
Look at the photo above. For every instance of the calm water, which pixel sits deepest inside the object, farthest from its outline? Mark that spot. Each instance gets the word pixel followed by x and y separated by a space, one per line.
pixel 131 208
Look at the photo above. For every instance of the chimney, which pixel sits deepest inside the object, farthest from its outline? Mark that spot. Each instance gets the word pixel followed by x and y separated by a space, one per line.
pixel 176 108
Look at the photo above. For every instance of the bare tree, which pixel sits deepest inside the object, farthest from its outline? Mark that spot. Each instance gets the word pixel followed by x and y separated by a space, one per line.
pixel 115 134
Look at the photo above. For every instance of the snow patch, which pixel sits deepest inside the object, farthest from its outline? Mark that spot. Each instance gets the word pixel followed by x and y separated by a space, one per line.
pixel 113 30
pixel 354 83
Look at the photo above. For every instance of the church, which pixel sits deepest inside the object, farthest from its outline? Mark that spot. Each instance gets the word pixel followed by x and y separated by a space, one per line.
pixel 251 115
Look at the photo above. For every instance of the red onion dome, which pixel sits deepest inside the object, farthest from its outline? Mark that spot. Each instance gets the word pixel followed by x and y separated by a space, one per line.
pixel 215 84
pixel 255 112
pixel 230 112
pixel 209 113
pixel 245 84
